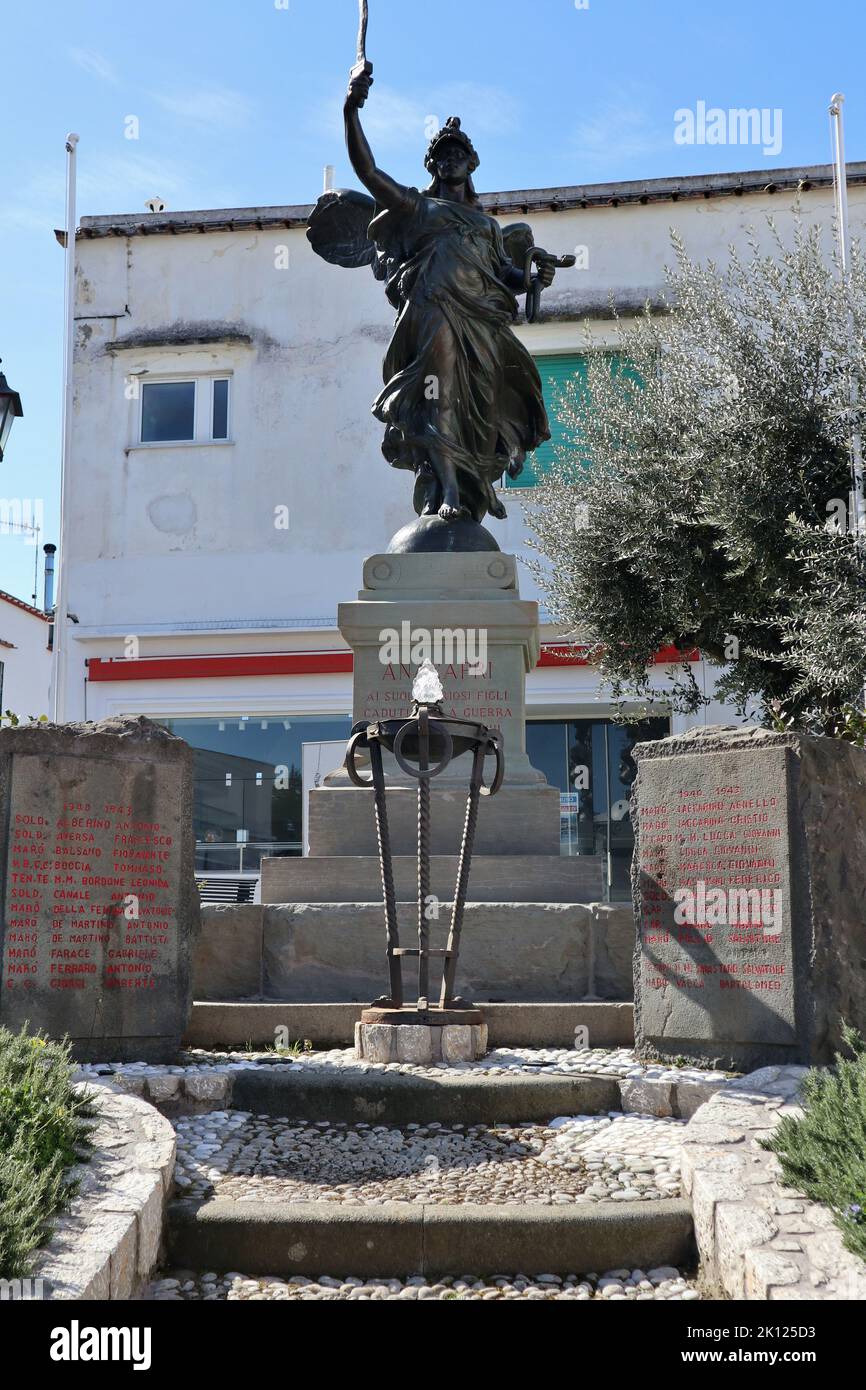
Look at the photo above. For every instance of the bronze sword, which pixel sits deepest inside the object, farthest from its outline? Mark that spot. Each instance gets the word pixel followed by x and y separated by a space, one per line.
pixel 362 65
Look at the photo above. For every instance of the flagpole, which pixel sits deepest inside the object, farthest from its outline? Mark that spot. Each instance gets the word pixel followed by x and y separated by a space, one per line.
pixel 844 237
pixel 843 232
pixel 58 681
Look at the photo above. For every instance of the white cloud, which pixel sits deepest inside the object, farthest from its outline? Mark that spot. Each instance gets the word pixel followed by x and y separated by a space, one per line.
pixel 94 63
pixel 622 130
pixel 396 122
pixel 207 106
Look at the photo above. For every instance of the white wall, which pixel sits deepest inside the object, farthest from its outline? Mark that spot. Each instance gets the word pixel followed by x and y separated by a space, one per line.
pixel 173 538
pixel 27 663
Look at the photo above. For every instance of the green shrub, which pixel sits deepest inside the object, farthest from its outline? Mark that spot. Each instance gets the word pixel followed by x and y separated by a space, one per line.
pixel 824 1154
pixel 43 1132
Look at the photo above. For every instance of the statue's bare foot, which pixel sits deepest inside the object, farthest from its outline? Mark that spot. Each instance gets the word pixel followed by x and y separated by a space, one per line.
pixel 497 509
pixel 449 512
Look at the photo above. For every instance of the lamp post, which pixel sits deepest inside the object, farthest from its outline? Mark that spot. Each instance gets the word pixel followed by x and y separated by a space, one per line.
pixel 423 746
pixel 10 409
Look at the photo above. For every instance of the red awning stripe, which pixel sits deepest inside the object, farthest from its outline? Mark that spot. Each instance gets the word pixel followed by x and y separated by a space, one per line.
pixel 211 667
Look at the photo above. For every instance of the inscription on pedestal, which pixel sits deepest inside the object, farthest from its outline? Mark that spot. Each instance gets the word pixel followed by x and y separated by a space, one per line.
pixel 99 902
pixel 468 694
pixel 713 899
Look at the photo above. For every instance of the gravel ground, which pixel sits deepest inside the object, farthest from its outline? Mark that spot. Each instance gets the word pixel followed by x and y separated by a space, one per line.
pixel 617 1285
pixel 585 1158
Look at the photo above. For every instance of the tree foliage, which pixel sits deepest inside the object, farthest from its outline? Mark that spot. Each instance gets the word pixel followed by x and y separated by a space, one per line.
pixel 714 512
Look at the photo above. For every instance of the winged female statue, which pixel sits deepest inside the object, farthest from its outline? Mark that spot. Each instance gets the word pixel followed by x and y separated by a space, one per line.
pixel 462 402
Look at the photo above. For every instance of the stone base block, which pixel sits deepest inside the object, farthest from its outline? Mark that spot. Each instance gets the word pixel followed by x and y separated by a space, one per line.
pixel 518 818
pixel 495 878
pixel 302 953
pixel 420 1044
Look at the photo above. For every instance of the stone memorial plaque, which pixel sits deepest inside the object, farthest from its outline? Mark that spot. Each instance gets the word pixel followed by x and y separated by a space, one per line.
pixel 99 900
pixel 734 896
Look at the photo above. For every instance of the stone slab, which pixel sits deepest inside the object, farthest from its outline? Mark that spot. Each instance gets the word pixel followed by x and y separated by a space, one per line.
pixel 228 1025
pixel 721 814
pixel 342 822
pixel 508 951
pixel 399 1240
pixel 377 1096
pixel 539 878
pixel 99 903
pixel 227 962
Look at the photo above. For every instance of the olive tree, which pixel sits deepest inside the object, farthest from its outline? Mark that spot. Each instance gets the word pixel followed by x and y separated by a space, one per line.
pixel 703 500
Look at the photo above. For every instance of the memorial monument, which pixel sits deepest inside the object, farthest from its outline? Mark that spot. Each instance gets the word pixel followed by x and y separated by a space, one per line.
pixel 461 405
pixel 99 902
pixel 749 881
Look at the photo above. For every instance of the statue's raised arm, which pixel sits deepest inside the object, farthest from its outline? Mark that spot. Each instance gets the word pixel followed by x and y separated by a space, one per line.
pixel 387 192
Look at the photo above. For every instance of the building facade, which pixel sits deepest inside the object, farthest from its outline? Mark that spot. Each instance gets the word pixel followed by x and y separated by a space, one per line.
pixel 25 658
pixel 226 483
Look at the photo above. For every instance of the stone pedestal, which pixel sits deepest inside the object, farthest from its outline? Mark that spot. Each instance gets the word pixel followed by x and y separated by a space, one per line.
pixel 749 886
pixel 99 902
pixel 459 605
pixel 528 934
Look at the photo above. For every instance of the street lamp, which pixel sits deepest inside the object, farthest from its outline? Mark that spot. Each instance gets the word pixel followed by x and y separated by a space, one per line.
pixel 10 406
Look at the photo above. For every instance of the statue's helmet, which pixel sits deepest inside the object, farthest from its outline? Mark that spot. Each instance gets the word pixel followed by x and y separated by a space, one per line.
pixel 451 131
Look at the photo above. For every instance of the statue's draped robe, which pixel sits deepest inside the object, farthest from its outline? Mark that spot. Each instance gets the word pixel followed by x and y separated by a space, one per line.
pixel 442 262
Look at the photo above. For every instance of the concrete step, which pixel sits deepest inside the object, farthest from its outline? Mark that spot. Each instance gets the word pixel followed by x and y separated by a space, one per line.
pixel 510 952
pixel 233 1025
pixel 540 878
pixel 399 1240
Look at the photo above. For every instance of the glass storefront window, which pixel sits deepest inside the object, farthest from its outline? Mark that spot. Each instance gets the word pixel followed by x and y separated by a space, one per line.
pixel 590 761
pixel 248 785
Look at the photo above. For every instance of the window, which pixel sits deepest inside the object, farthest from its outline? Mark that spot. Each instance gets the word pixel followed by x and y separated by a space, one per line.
pixel 185 412
pixel 248 784
pixel 590 761
pixel 556 372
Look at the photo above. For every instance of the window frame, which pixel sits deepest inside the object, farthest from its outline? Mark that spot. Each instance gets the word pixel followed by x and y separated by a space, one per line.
pixel 203 409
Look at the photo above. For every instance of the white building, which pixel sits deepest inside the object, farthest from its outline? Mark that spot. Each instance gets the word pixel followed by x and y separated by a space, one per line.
pixel 226 480
pixel 25 658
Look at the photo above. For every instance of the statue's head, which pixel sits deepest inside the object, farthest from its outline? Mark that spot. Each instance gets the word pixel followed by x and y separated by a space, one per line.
pixel 452 160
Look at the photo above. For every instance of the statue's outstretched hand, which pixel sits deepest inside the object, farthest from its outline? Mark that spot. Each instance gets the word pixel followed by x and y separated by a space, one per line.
pixel 360 83
pixel 545 271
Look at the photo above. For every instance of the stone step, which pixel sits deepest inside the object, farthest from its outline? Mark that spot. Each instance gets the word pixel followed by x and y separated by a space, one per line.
pixel 391 1097
pixel 341 821
pixel 401 1239
pixel 234 1025
pixel 541 878
pixel 510 952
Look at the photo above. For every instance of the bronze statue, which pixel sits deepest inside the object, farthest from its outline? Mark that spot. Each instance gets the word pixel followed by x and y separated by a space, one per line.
pixel 462 402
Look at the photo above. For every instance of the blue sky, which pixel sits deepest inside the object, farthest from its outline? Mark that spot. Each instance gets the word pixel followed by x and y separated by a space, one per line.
pixel 238 103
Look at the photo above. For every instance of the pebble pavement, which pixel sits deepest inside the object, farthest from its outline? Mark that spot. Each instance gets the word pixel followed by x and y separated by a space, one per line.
pixel 616 1062
pixel 585 1158
pixel 617 1285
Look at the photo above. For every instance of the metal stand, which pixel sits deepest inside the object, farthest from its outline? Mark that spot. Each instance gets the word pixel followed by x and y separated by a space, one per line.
pixel 414 742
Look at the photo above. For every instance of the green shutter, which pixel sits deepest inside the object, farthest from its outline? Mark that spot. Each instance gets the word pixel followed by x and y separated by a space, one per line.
pixel 556 372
